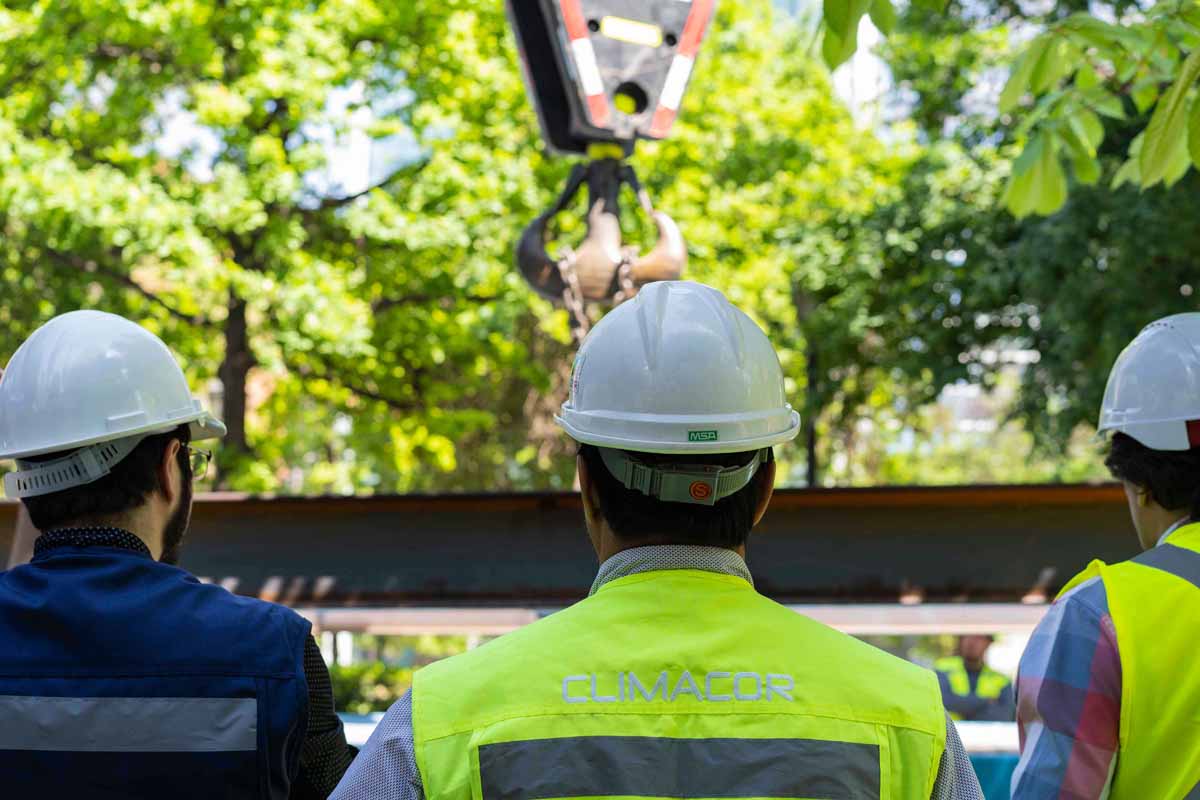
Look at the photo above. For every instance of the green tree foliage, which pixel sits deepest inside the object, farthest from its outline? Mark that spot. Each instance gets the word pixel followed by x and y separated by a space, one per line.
pixel 390 307
pixel 172 161
pixel 385 671
pixel 368 686
pixel 1082 69
pixel 1086 63
pixel 963 283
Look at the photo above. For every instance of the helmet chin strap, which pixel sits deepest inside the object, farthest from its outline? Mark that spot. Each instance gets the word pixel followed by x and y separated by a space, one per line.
pixel 83 466
pixel 698 484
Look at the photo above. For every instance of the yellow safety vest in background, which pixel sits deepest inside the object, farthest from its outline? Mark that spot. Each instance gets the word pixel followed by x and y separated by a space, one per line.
pixel 988 687
pixel 677 683
pixel 1154 600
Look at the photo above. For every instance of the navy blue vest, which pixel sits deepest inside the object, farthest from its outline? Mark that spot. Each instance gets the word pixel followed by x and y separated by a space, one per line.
pixel 121 677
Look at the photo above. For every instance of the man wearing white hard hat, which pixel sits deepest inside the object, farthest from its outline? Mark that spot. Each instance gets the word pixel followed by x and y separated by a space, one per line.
pixel 121 675
pixel 1108 694
pixel 674 678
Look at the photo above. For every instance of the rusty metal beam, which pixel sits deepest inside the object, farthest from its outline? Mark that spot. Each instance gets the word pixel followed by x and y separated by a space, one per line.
pixel 952 544
pixel 861 619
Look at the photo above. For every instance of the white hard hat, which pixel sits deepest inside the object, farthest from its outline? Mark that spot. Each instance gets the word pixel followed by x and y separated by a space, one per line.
pixel 94 383
pixel 1153 391
pixel 678 369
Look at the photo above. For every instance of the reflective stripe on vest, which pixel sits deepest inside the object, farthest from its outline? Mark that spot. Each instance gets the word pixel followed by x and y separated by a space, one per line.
pixel 152 684
pixel 642 766
pixel 1154 601
pixel 676 683
pixel 1177 561
pixel 129 724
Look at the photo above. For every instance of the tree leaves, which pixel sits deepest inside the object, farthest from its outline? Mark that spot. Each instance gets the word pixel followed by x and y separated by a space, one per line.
pixel 1166 142
pixel 395 348
pixel 841 14
pixel 1131 58
pixel 835 49
pixel 1088 127
pixel 1083 135
pixel 883 14
pixel 1130 171
pixel 1137 54
pixel 1054 63
pixel 1194 133
pixel 1022 74
pixel 1038 183
pixel 841 29
pixel 1041 67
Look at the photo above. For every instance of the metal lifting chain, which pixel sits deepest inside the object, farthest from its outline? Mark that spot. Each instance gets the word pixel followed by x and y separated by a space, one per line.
pixel 572 296
pixel 627 289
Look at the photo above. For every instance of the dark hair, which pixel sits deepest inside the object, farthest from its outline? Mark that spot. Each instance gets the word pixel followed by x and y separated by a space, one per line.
pixel 634 516
pixel 1172 477
pixel 126 487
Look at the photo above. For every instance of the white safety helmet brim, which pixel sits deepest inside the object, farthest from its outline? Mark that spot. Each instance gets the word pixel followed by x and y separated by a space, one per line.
pixel 665 436
pixel 201 424
pixel 1163 435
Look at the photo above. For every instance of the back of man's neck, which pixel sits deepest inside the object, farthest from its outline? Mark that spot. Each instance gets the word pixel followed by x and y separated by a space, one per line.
pixel 620 546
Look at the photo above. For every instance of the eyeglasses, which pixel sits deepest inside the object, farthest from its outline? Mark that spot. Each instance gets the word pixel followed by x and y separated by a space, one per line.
pixel 199 460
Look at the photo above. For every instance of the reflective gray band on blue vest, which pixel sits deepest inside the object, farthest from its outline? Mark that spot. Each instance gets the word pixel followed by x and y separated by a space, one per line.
pixel 647 766
pixel 1179 561
pixel 129 724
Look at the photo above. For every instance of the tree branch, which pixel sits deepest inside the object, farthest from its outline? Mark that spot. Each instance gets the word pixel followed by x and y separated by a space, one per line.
pixel 338 202
pixel 113 51
pixel 89 266
pixel 446 301
pixel 327 373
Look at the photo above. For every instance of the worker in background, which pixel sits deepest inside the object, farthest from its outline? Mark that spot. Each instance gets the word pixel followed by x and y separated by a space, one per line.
pixel 1107 691
pixel 121 675
pixel 674 678
pixel 972 690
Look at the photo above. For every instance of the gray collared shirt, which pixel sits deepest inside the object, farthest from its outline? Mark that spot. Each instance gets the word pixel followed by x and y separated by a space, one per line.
pixel 386 769
pixel 1167 533
pixel 656 558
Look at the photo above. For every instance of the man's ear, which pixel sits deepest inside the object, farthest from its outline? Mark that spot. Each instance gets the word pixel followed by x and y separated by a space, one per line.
pixel 764 487
pixel 170 476
pixel 587 490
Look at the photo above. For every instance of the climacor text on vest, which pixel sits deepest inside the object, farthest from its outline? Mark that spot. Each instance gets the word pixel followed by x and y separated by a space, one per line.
pixel 713 687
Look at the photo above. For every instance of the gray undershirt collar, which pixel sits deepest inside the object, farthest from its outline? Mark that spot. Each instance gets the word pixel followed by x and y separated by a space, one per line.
pixel 1172 529
pixel 657 557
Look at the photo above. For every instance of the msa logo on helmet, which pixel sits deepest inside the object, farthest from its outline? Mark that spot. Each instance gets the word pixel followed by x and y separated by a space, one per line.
pixel 702 436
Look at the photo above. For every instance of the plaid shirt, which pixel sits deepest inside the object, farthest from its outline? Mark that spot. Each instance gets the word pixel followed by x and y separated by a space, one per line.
pixel 1069 698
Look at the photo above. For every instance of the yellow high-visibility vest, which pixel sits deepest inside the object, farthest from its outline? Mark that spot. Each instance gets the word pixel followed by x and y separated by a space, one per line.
pixel 1154 600
pixel 677 683
pixel 988 686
